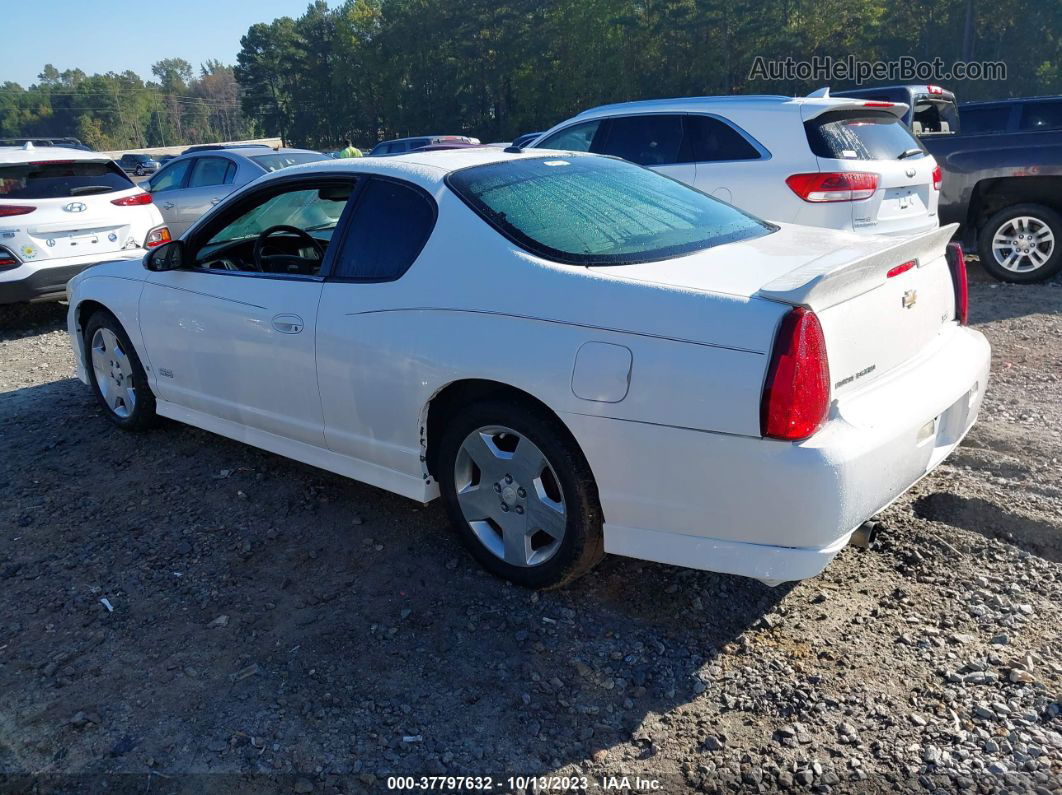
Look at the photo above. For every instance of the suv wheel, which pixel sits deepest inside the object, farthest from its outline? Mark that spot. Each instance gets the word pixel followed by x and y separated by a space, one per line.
pixel 116 375
pixel 520 493
pixel 1021 243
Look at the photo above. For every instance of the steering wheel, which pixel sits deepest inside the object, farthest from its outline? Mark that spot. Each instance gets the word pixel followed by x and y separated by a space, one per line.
pixel 292 260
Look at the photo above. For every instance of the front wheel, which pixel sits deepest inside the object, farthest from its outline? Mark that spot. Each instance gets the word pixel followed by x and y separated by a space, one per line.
pixel 1020 244
pixel 520 494
pixel 116 374
pixel 139 171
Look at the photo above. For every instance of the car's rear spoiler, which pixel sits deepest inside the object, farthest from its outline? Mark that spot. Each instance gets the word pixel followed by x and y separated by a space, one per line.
pixel 811 111
pixel 833 278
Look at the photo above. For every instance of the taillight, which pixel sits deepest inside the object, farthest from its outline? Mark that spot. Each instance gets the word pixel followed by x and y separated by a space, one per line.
pixel 135 200
pixel 796 395
pixel 7 259
pixel 840 186
pixel 7 210
pixel 878 104
pixel 157 236
pixel 957 264
pixel 938 177
pixel 934 89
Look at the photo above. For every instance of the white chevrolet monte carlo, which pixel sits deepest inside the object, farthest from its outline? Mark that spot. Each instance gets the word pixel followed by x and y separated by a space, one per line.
pixel 62 210
pixel 578 354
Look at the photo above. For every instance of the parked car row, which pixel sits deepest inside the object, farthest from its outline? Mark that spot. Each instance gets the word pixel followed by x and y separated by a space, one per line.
pixel 1002 173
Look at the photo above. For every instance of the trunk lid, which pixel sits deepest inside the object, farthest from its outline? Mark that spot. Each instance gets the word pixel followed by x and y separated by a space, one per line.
pixel 872 321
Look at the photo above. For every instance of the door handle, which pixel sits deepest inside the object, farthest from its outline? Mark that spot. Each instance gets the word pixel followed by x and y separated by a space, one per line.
pixel 168 206
pixel 288 324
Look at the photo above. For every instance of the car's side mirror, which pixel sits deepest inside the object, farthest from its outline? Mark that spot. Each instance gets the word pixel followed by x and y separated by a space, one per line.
pixel 167 257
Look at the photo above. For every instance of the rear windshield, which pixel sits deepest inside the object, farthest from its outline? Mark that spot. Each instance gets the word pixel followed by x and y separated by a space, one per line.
pixel 935 117
pixel 58 179
pixel 280 160
pixel 861 135
pixel 590 210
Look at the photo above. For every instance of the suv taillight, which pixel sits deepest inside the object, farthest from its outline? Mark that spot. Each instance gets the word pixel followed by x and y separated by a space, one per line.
pixel 157 236
pixel 135 200
pixel 796 395
pixel 7 259
pixel 957 264
pixel 7 210
pixel 938 177
pixel 839 186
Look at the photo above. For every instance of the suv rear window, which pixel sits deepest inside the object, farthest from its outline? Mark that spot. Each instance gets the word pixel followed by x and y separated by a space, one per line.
pixel 59 179
pixel 861 135
pixel 589 210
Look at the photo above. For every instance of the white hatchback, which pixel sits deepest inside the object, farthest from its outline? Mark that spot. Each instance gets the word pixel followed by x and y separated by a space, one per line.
pixel 62 210
pixel 846 164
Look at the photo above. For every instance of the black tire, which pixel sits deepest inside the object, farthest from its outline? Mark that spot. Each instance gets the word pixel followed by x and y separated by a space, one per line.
pixel 582 544
pixel 142 414
pixel 138 171
pixel 1044 215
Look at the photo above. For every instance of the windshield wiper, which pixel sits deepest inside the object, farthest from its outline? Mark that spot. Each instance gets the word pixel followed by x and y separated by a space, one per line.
pixel 909 153
pixel 87 189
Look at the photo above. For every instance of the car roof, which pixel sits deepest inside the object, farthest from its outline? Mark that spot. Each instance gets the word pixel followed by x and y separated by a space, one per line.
pixel 245 152
pixel 1011 101
pixel 20 154
pixel 427 169
pixel 707 104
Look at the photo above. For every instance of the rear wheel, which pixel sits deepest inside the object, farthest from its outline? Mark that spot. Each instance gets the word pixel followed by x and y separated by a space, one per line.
pixel 1021 243
pixel 117 377
pixel 520 493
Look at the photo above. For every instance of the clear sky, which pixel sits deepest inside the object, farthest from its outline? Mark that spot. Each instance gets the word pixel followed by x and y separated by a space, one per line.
pixel 115 35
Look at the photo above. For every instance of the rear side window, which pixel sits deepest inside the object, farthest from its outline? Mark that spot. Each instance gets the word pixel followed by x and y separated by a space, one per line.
pixel 861 135
pixel 1041 116
pixel 390 226
pixel 715 140
pixel 577 138
pixel 650 140
pixel 587 210
pixel 212 171
pixel 985 120
pixel 60 178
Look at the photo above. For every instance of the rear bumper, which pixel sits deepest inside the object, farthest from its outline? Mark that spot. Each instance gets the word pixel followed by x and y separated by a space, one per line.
pixel 46 280
pixel 779 511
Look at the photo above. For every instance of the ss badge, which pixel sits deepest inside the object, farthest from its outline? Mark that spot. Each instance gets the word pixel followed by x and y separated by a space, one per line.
pixel 910 298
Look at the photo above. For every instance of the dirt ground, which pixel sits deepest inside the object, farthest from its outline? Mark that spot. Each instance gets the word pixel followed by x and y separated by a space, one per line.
pixel 182 613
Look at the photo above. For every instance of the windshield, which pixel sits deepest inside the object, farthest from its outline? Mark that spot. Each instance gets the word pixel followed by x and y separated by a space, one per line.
pixel 60 178
pixel 280 160
pixel 590 210
pixel 861 135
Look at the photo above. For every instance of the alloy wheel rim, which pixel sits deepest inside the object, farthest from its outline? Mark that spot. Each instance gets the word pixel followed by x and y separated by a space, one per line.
pixel 1023 244
pixel 510 496
pixel 114 372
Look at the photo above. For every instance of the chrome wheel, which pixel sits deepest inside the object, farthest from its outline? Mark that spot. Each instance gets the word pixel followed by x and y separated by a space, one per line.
pixel 113 371
pixel 1023 244
pixel 510 496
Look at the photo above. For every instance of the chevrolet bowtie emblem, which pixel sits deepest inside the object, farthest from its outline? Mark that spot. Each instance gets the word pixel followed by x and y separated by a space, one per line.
pixel 910 298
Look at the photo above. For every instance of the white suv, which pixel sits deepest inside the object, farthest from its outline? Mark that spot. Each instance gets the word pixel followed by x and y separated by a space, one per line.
pixel 819 161
pixel 62 210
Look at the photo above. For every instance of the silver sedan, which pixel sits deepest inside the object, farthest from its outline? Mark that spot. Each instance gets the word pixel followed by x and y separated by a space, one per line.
pixel 191 184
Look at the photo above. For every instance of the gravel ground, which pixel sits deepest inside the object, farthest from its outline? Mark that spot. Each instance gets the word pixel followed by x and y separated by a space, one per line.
pixel 175 604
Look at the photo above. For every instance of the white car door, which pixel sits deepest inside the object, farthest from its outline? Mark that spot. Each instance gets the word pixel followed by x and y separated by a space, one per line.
pixel 231 334
pixel 731 165
pixel 362 352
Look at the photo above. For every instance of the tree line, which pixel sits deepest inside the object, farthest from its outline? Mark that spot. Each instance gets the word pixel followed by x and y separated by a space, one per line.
pixel 122 111
pixel 374 69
